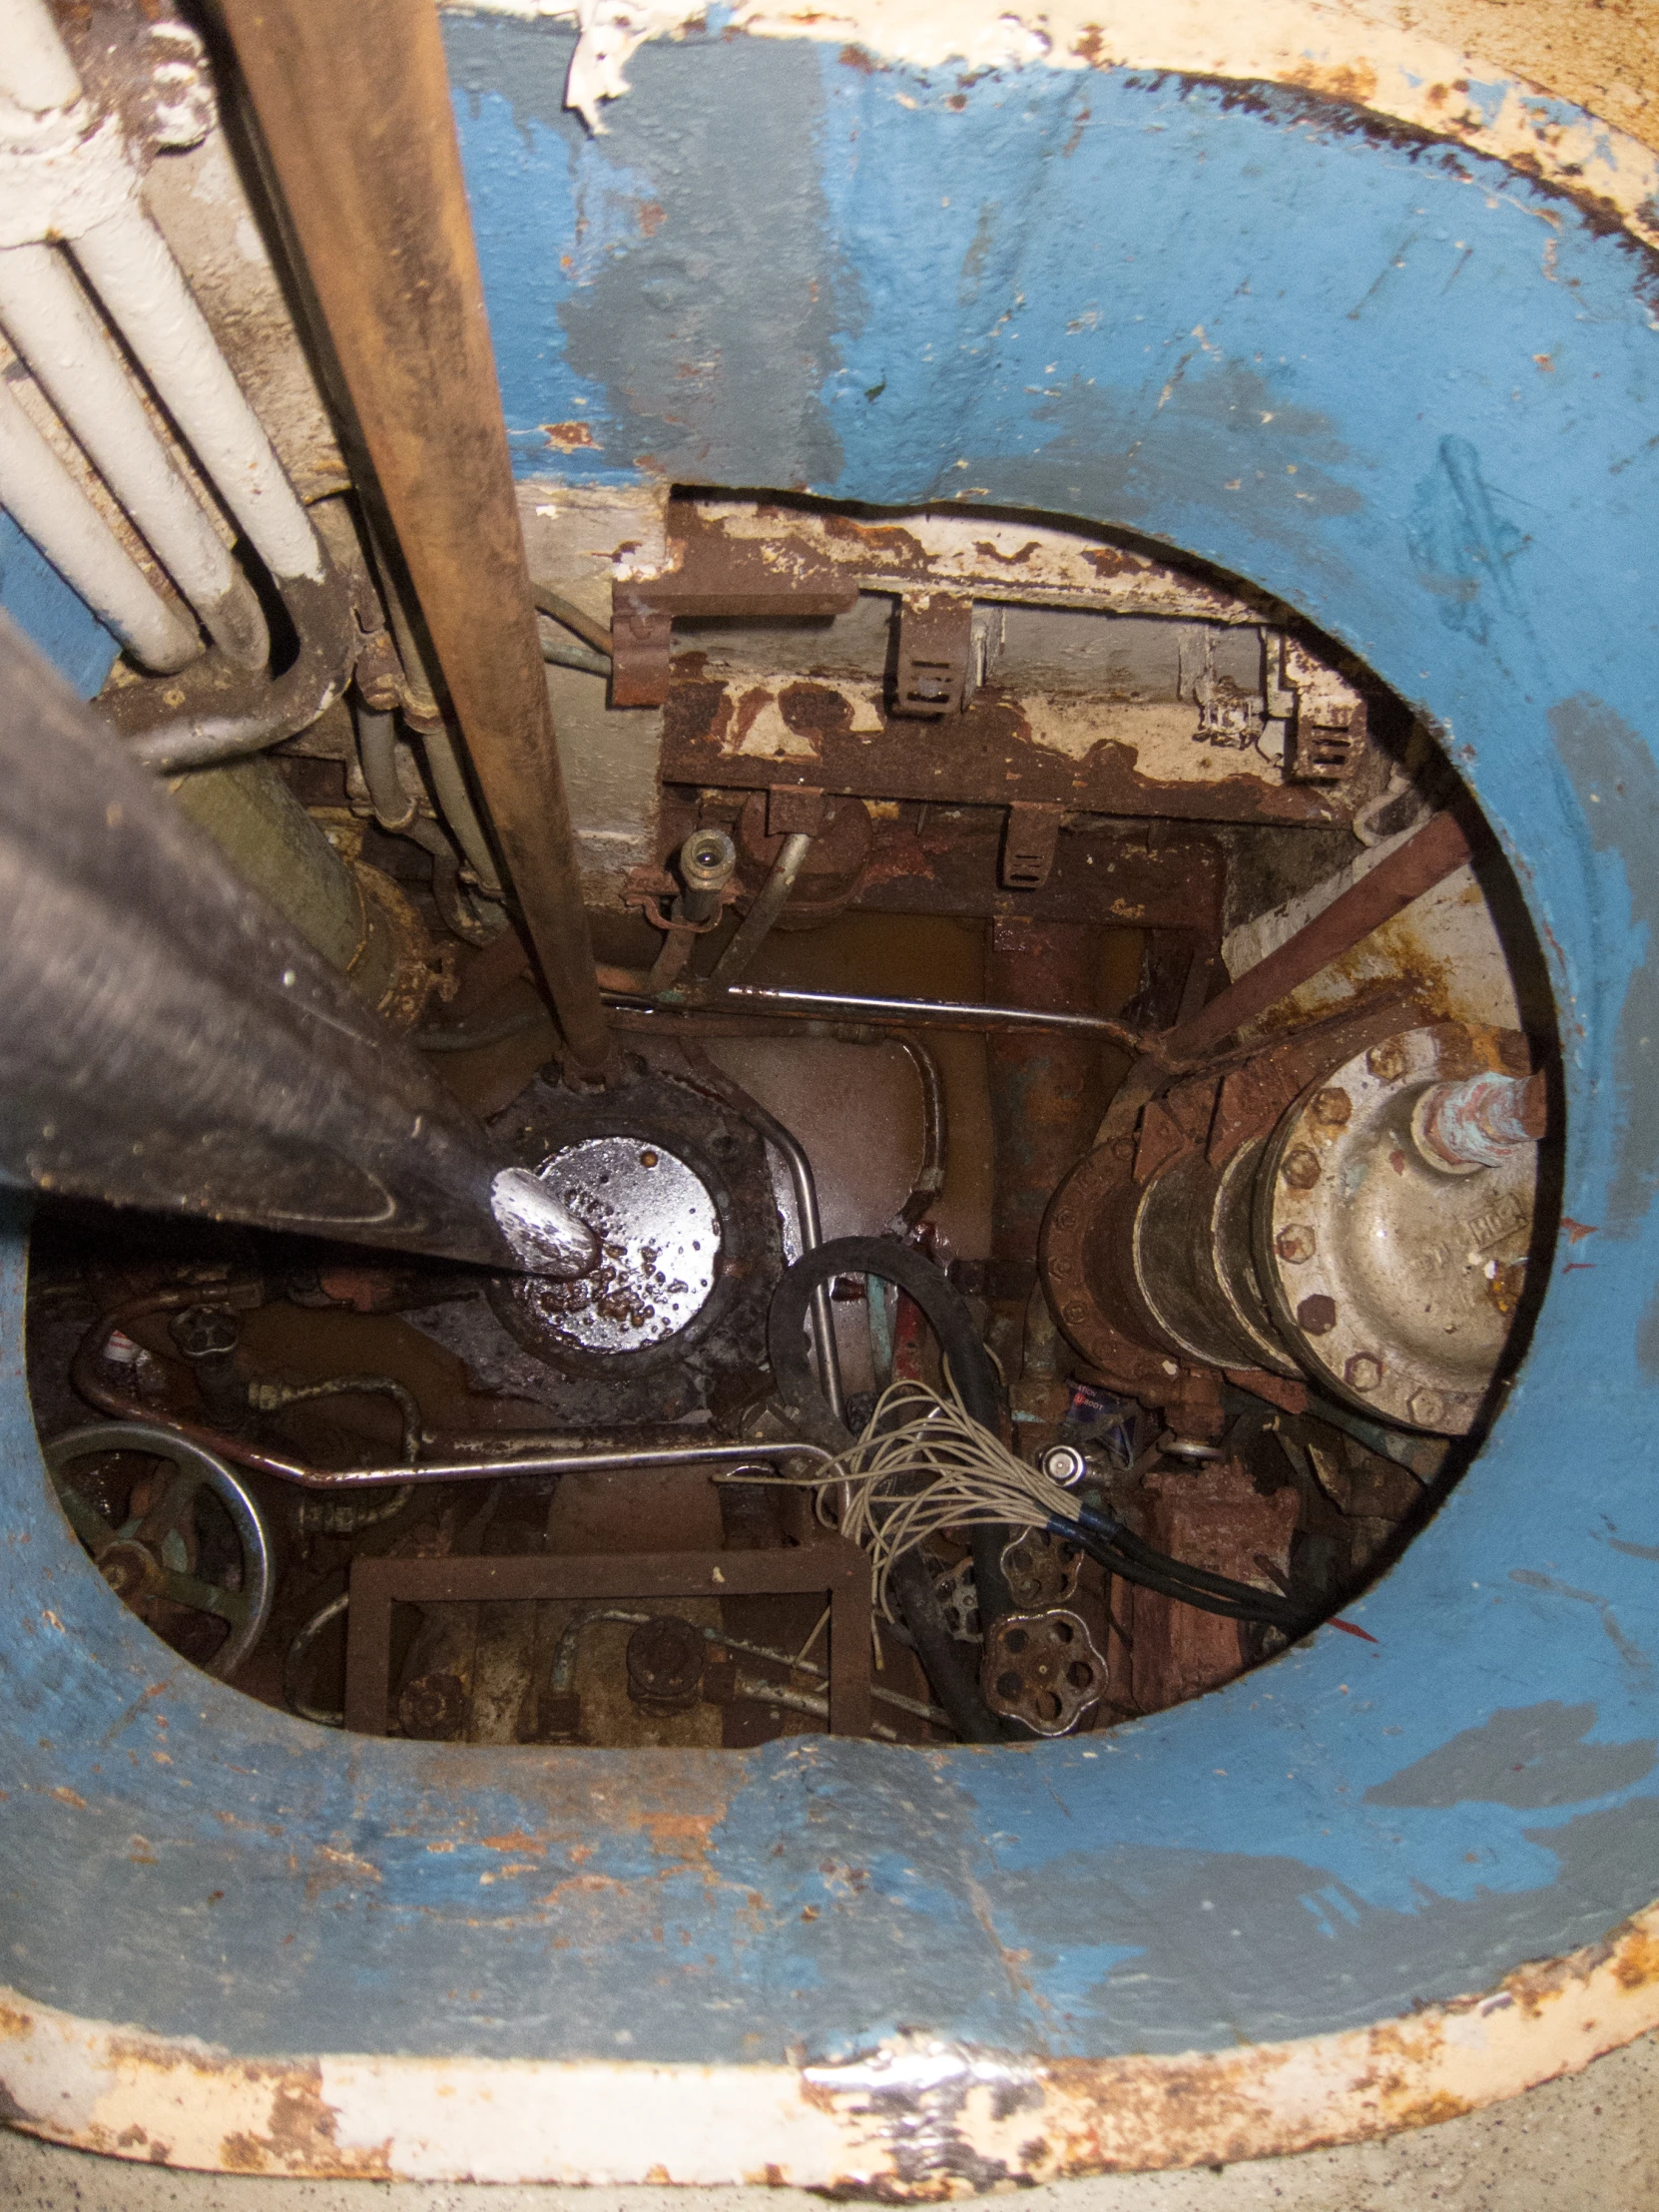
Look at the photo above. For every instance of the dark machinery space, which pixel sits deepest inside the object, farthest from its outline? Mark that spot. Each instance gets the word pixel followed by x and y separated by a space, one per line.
pixel 1169 1131
pixel 731 1116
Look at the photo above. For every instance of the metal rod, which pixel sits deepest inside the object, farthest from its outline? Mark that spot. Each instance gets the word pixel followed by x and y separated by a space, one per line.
pixel 352 98
pixel 773 898
pixel 1437 850
pixel 91 1381
pixel 943 1014
pixel 935 1140
pixel 805 1186
pixel 169 1041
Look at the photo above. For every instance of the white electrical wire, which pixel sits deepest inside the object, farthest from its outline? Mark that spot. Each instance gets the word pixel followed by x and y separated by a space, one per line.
pixel 923 1465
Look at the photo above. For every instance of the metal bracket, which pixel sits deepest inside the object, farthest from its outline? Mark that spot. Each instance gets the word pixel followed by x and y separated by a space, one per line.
pixel 714 574
pixel 935 641
pixel 1029 844
pixel 841 1571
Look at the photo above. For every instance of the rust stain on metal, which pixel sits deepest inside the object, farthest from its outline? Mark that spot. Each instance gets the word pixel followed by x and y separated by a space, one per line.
pixel 565 437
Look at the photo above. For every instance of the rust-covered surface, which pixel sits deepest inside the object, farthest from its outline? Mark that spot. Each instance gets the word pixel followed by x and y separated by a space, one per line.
pixel 911 2120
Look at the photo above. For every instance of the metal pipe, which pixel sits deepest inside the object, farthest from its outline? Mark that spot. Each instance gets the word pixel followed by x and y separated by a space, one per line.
pixel 394 811
pixel 128 263
pixel 35 69
pixel 51 322
pixel 45 501
pixel 1436 850
pixel 367 163
pixel 564 1662
pixel 773 898
pixel 706 862
pixel 929 1180
pixel 168 1041
pixel 89 1381
pixel 449 789
pixel 943 1013
pixel 805 1186
pixel 220 721
pixel 594 635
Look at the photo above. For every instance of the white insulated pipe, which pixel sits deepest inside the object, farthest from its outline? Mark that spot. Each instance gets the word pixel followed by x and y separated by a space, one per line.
pixel 36 71
pixel 70 179
pixel 50 320
pixel 128 263
pixel 46 502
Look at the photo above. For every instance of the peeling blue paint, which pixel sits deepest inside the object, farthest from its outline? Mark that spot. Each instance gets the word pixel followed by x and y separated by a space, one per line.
pixel 1174 322
pixel 49 611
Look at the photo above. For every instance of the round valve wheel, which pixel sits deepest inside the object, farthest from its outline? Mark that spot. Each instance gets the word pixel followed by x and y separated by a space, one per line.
pixel 151 1557
pixel 1041 1569
pixel 1043 1669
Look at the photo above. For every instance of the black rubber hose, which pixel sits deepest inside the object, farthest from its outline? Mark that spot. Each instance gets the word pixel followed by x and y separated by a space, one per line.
pixel 975 1379
pixel 1156 1570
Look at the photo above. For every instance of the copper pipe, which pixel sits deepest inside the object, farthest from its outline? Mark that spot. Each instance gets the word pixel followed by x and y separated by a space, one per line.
pixel 352 103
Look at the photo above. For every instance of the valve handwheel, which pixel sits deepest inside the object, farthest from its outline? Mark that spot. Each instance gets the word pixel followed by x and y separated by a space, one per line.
pixel 153 1553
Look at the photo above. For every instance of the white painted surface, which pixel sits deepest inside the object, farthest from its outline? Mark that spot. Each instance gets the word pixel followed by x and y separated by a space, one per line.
pixel 44 500
pixel 49 320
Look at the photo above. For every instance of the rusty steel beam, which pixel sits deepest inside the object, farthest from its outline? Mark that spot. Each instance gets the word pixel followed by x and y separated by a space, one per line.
pixel 351 99
pixel 841 1571
pixel 1437 851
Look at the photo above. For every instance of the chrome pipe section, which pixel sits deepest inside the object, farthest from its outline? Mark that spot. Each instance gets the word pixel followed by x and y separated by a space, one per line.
pixel 943 1014
pixel 168 1042
pixel 46 504
pixel 706 862
pixel 805 1186
pixel 757 924
pixel 366 160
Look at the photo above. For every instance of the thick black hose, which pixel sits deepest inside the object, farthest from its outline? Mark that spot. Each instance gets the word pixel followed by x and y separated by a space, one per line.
pixel 975 1379
pixel 1173 1578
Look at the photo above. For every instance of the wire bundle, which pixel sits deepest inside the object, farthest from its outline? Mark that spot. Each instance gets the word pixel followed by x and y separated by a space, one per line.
pixel 923 1466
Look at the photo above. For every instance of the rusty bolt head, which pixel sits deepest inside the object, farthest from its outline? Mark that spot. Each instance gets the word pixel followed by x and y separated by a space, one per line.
pixel 1295 1242
pixel 131 1569
pixel 1386 1061
pixel 1333 1107
pixel 665 1662
pixel 1427 1407
pixel 201 1330
pixel 433 1708
pixel 1363 1371
pixel 1316 1317
pixel 1300 1167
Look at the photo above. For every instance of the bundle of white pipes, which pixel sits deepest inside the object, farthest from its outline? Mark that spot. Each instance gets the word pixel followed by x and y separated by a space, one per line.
pixel 71 217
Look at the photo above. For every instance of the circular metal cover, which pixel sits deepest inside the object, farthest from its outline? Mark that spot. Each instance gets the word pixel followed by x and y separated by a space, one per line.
pixel 660 1239
pixel 1395 1281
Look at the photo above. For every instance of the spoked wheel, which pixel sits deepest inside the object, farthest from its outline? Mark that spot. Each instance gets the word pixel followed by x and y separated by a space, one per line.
pixel 151 1556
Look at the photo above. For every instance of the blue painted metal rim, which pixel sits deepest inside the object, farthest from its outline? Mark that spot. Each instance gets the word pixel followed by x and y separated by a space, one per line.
pixel 1223 321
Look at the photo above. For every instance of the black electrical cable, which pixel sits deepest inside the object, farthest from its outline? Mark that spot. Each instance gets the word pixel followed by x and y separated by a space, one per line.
pixel 975 1379
pixel 1123 1553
